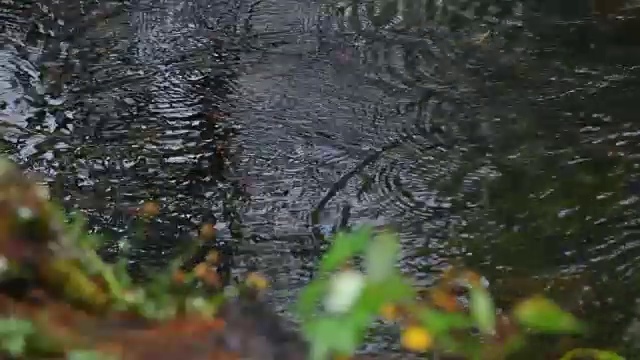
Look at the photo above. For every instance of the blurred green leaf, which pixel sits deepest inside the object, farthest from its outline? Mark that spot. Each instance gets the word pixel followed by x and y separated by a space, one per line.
pixel 121 274
pixel 13 335
pixel 543 315
pixel 344 247
pixel 319 350
pixel 309 297
pixel 88 355
pixel 591 353
pixel 439 322
pixel 13 325
pixel 14 345
pixel 382 255
pixel 394 290
pixel 328 335
pixel 360 321
pixel 482 309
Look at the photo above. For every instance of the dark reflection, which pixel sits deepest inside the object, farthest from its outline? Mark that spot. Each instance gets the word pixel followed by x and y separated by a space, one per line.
pixel 559 213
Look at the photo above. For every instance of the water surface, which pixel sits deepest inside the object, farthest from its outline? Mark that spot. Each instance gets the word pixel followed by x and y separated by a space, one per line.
pixel 480 140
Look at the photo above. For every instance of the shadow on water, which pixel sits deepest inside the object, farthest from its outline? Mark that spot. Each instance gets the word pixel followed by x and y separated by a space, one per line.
pixel 496 142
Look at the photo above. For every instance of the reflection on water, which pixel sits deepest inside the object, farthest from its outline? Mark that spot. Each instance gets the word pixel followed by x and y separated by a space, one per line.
pixel 284 121
pixel 134 119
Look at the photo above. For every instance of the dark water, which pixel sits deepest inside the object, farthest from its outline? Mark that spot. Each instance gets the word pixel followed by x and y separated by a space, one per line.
pixel 508 142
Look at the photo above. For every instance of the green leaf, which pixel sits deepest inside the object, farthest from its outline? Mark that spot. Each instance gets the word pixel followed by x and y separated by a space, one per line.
pixel 309 297
pixel 76 233
pixel 591 353
pixel 13 335
pixel 394 290
pixel 121 274
pixel 482 309
pixel 12 326
pixel 328 335
pixel 543 315
pixel 439 322
pixel 15 345
pixel 381 257
pixel 88 355
pixel 361 319
pixel 344 247
pixel 319 351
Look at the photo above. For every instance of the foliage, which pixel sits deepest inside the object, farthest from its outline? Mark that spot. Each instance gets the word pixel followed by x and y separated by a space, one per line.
pixel 591 353
pixel 338 307
pixel 88 355
pixel 56 291
pixel 76 270
pixel 14 334
pixel 54 259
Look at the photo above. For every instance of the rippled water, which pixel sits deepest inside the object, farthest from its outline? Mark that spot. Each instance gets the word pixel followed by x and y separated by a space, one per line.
pixel 480 143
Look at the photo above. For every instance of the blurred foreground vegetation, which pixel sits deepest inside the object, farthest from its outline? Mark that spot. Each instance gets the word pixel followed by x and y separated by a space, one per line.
pixel 59 299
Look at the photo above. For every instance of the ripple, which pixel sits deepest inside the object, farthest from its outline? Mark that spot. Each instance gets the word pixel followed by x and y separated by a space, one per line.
pixel 137 119
pixel 430 46
pixel 14 21
pixel 304 124
pixel 404 189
